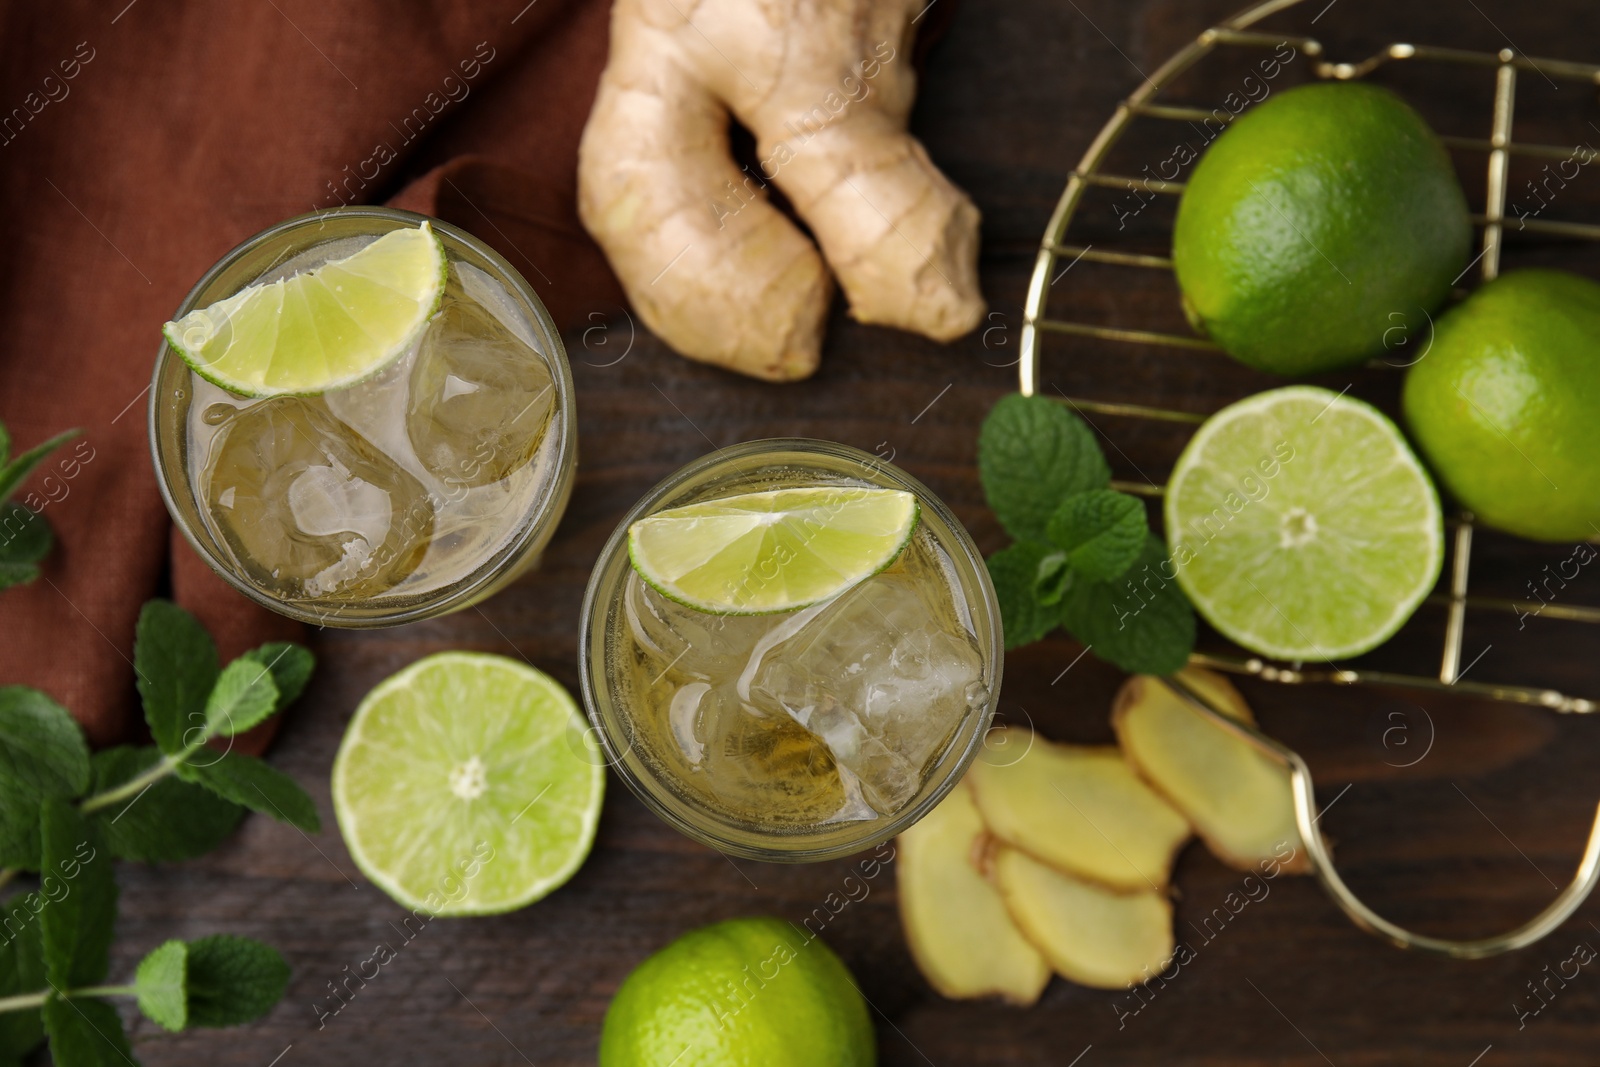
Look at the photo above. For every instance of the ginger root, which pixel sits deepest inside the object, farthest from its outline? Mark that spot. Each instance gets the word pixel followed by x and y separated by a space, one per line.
pixel 711 266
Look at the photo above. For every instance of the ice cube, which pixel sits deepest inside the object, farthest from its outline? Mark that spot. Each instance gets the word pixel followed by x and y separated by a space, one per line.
pixel 882 675
pixel 693 643
pixel 684 717
pixel 855 807
pixel 309 507
pixel 481 395
pixel 758 767
pixel 376 409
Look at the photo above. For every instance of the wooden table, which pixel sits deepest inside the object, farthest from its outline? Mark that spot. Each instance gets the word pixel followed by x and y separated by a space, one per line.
pixel 1469 839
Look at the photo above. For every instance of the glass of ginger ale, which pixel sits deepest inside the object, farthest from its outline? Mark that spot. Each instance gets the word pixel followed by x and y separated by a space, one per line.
pixel 363 417
pixel 791 650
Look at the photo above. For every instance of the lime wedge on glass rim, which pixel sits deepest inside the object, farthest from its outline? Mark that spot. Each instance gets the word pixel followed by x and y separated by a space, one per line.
pixel 321 329
pixel 1302 525
pixel 780 550
pixel 468 784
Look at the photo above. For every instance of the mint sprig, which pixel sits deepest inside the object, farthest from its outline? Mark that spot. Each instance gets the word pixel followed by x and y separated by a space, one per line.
pixel 189 703
pixel 216 981
pixel 1084 557
pixel 67 815
pixel 25 535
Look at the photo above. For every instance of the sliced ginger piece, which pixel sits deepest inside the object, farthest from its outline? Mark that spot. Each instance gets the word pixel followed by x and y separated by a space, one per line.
pixel 1238 799
pixel 1090 934
pixel 958 928
pixel 1080 808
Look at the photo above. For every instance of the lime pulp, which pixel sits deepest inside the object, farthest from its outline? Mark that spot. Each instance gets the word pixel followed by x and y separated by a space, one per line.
pixel 1302 526
pixel 468 784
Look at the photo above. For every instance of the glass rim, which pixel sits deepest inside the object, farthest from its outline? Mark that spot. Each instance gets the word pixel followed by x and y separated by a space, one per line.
pixel 485 578
pixel 659 798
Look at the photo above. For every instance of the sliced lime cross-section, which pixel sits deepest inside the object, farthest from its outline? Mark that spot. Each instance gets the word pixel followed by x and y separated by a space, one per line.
pixel 1302 526
pixel 779 550
pixel 321 329
pixel 468 784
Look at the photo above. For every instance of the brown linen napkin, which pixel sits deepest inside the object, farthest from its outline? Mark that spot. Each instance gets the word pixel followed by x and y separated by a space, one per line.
pixel 139 143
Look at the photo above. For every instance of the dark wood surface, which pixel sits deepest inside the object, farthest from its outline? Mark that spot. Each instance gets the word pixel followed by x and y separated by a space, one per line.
pixel 1468 839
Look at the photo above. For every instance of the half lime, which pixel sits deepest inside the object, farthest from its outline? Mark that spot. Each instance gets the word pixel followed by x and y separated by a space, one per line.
pixel 468 784
pixel 779 550
pixel 321 329
pixel 1302 526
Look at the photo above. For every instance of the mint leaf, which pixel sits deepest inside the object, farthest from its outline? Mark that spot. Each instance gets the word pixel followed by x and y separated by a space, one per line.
pixel 81 897
pixel 40 744
pixel 290 665
pixel 86 1032
pixel 1032 454
pixel 19 826
pixel 1051 580
pixel 244 695
pixel 233 980
pixel 172 820
pixel 1014 571
pixel 17 574
pixel 1140 622
pixel 5 445
pixel 15 472
pixel 161 984
pixel 25 536
pixel 42 754
pixel 1102 531
pixel 21 971
pixel 176 665
pixel 251 782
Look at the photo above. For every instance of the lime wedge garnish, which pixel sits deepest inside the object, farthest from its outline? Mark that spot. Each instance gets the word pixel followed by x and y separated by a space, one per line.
pixel 322 329
pixel 775 551
pixel 1302 526
pixel 468 784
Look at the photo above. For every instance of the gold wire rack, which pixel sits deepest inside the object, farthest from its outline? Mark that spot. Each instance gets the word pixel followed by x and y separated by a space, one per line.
pixel 1505 66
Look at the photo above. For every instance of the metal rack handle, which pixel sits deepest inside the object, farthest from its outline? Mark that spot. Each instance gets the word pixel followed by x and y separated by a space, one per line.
pixel 1305 817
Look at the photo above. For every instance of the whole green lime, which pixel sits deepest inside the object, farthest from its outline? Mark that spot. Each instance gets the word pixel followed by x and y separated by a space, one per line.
pixel 1322 223
pixel 1503 404
pixel 741 993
